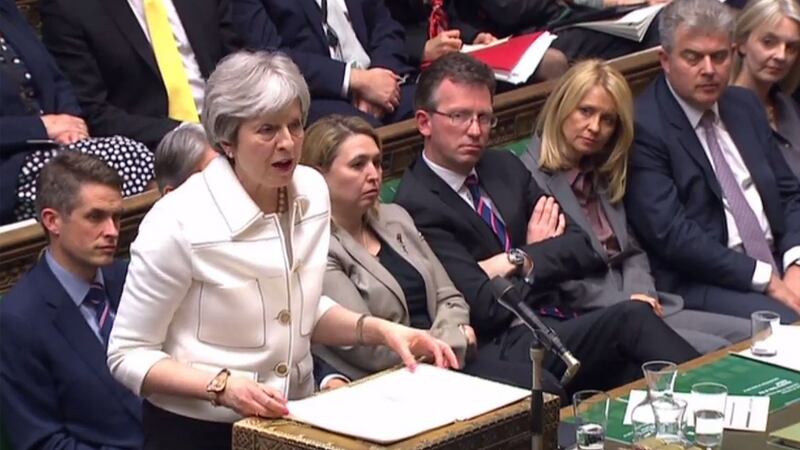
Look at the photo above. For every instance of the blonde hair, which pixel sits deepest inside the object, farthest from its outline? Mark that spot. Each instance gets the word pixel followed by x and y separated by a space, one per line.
pixel 325 137
pixel 571 89
pixel 769 13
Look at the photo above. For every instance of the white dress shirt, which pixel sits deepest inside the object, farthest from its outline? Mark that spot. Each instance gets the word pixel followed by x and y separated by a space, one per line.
pixel 457 182
pixel 196 81
pixel 349 51
pixel 763 270
pixel 215 283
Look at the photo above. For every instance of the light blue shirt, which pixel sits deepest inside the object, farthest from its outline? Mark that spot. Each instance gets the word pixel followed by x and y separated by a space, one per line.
pixel 77 289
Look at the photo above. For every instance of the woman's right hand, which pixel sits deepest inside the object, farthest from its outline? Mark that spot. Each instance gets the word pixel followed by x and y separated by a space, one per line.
pixel 249 399
pixel 64 128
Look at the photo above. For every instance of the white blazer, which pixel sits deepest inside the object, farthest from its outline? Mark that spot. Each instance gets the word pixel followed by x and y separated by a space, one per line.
pixel 214 282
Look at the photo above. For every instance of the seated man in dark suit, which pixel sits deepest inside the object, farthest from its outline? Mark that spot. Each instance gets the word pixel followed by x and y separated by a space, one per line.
pixel 138 71
pixel 710 194
pixel 55 388
pixel 475 208
pixel 351 54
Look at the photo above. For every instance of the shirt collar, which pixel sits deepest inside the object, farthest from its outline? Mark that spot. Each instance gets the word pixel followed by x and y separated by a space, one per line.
pixel 453 179
pixel 693 114
pixel 76 287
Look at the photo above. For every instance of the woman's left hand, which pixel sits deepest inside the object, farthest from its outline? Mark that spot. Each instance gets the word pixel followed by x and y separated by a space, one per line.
pixel 409 343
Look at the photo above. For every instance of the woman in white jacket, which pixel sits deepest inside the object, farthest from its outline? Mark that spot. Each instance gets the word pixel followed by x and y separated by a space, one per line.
pixel 223 294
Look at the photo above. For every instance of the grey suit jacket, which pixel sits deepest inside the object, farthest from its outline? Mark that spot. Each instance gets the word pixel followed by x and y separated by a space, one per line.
pixel 357 280
pixel 628 272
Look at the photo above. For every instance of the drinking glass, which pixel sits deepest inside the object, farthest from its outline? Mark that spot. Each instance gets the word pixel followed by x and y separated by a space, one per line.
pixel 591 418
pixel 660 377
pixel 708 403
pixel 763 325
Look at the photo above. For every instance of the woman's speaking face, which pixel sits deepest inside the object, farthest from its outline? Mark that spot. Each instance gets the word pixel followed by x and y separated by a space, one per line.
pixel 268 147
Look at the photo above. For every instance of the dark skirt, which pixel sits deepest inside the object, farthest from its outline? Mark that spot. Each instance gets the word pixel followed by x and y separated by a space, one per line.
pixel 164 430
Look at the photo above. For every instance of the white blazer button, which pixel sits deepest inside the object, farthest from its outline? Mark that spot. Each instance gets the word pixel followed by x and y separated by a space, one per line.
pixel 282 369
pixel 284 317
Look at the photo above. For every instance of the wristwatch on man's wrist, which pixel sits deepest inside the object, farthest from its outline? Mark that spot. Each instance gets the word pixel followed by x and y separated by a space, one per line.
pixel 518 258
pixel 217 385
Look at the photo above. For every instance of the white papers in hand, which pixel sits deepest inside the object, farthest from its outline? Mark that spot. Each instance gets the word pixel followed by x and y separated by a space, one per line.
pixel 785 339
pixel 401 404
pixel 744 413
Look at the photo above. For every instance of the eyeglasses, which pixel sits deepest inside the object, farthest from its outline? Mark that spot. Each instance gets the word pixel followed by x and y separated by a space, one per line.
pixel 464 119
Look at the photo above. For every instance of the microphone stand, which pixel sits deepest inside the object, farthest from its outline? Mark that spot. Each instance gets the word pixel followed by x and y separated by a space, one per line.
pixel 537 396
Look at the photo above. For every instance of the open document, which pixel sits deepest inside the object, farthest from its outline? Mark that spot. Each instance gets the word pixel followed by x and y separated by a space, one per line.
pixel 632 26
pixel 402 404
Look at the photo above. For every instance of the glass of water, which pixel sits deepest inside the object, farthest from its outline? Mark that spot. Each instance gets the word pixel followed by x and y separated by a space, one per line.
pixel 660 377
pixel 708 403
pixel 591 418
pixel 763 325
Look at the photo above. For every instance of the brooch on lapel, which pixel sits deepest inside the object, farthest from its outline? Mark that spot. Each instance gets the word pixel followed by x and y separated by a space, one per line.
pixel 400 241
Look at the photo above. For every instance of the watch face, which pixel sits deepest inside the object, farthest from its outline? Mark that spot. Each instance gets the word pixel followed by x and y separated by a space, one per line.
pixel 515 257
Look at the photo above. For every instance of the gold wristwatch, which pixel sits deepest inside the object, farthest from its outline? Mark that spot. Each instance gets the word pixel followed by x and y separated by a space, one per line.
pixel 217 385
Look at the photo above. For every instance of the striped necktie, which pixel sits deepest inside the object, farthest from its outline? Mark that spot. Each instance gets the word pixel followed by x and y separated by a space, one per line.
pixel 97 299
pixel 753 238
pixel 179 94
pixel 485 210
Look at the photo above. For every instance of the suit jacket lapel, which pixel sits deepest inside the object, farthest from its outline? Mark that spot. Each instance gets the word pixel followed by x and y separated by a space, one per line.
pixel 616 219
pixel 314 14
pixel 357 21
pixel 357 251
pixel 68 320
pixel 451 198
pixel 686 134
pixel 560 188
pixel 120 11
pixel 197 36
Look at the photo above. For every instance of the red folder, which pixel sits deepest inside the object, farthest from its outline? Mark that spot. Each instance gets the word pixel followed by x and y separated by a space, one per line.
pixel 504 57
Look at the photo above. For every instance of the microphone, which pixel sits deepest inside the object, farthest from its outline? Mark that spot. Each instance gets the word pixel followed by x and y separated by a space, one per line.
pixel 510 299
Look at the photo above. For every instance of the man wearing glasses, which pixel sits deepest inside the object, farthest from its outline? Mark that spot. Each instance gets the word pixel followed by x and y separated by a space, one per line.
pixel 484 216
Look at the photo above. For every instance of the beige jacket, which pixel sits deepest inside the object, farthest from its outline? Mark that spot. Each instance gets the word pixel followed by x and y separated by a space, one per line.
pixel 359 282
pixel 213 282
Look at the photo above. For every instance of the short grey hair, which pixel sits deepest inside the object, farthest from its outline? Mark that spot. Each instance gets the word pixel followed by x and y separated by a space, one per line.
pixel 178 155
pixel 705 16
pixel 246 85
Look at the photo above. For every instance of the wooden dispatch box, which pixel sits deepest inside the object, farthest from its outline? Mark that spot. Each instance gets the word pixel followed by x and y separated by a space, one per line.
pixel 505 428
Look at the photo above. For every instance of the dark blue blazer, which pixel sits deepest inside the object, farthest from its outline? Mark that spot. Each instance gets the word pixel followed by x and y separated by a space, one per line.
pixel 674 201
pixel 17 126
pixel 57 391
pixel 299 24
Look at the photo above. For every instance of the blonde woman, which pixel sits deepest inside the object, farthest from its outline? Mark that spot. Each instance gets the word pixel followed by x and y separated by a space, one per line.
pixel 379 264
pixel 766 61
pixel 579 155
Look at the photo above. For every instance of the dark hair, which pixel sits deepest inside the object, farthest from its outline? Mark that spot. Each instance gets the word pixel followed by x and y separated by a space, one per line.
pixel 61 179
pixel 456 67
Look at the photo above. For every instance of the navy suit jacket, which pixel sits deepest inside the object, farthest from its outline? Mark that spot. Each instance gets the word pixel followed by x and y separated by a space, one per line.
pixel 57 391
pixel 460 238
pixel 53 93
pixel 299 24
pixel 674 201
pixel 104 52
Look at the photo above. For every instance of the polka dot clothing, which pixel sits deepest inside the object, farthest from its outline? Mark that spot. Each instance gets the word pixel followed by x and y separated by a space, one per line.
pixel 131 159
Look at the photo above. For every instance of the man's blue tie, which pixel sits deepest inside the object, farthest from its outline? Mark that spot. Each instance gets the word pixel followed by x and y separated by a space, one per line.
pixel 484 209
pixel 97 299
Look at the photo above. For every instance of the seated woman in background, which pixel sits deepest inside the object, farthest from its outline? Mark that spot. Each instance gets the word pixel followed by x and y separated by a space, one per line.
pixel 40 116
pixel 379 264
pixel 579 155
pixel 223 295
pixel 766 61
